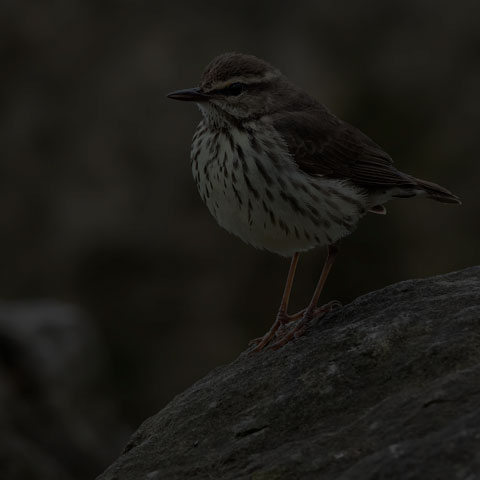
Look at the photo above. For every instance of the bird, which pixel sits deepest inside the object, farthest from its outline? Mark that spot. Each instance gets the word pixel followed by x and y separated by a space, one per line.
pixel 276 168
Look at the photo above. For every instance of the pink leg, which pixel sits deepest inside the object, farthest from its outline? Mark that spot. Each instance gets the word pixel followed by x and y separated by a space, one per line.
pixel 282 316
pixel 312 311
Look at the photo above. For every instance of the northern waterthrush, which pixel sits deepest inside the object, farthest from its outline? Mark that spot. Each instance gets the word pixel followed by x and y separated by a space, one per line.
pixel 280 171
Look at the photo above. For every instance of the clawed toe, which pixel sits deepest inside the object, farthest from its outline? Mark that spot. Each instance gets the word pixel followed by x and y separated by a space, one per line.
pixel 302 326
pixel 277 330
pixel 280 337
pixel 328 307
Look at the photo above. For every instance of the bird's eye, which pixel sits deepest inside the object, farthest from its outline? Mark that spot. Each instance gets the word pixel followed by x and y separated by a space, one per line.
pixel 234 89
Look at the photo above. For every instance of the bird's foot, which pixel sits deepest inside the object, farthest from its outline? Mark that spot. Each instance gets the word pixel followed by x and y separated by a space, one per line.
pixel 302 326
pixel 278 326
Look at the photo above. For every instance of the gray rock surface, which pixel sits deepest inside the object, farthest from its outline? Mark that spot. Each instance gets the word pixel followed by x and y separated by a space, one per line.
pixel 385 387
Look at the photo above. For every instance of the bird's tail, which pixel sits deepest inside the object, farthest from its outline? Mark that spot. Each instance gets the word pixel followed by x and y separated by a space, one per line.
pixel 436 192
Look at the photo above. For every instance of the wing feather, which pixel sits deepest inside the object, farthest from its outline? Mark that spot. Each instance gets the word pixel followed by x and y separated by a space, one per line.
pixel 322 144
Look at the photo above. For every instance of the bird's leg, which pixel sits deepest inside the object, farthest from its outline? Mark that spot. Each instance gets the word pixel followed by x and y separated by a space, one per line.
pixel 312 311
pixel 282 316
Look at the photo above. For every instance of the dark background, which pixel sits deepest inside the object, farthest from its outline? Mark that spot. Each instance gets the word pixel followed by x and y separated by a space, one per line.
pixel 97 204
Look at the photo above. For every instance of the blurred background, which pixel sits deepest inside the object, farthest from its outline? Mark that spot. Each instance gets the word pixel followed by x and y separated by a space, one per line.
pixel 118 289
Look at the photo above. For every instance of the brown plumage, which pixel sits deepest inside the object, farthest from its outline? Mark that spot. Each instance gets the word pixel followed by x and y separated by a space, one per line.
pixel 277 168
pixel 321 144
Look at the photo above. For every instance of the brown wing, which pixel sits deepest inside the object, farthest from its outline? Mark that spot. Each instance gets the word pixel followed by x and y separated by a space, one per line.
pixel 322 144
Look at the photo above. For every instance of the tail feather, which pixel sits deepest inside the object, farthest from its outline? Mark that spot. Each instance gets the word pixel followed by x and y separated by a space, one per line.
pixel 437 192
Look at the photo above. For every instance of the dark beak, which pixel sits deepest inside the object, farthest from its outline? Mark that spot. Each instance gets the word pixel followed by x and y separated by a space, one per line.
pixel 189 95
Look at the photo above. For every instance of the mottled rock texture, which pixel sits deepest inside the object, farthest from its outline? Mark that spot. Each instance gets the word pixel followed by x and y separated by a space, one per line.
pixel 386 387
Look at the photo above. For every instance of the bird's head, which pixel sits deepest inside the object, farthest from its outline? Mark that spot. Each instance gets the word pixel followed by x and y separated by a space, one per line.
pixel 235 87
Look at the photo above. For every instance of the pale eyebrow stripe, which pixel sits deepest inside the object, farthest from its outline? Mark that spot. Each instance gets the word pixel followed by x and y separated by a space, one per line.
pixel 246 80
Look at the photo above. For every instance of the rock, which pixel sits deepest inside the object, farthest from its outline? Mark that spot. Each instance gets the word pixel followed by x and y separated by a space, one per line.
pixel 57 419
pixel 387 387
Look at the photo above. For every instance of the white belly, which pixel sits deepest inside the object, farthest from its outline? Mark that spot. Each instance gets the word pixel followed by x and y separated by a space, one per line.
pixel 265 199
